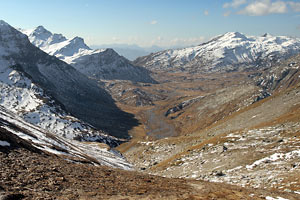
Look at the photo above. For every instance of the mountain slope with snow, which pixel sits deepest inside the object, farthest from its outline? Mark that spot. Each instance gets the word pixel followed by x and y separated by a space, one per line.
pixel 23 97
pixel 11 124
pixel 100 63
pixel 77 94
pixel 229 52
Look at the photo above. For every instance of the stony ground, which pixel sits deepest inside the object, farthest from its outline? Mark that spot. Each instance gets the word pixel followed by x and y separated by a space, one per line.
pixel 228 135
pixel 35 175
pixel 257 147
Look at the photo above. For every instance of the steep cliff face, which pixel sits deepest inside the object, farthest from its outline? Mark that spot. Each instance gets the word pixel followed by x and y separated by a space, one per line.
pixel 79 95
pixel 99 64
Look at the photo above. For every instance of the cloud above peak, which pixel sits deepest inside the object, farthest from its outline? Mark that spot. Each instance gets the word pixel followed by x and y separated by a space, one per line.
pixel 235 4
pixel 264 7
pixel 295 6
pixel 261 7
pixel 153 22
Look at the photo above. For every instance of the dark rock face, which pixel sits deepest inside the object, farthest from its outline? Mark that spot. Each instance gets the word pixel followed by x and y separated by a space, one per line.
pixel 80 96
pixel 109 65
pixel 98 64
pixel 12 197
pixel 278 77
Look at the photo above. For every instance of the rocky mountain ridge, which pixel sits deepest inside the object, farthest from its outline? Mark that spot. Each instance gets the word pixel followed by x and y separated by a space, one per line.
pixel 232 51
pixel 98 64
pixel 77 94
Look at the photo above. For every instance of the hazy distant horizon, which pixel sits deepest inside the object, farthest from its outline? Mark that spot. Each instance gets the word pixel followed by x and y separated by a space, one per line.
pixel 162 23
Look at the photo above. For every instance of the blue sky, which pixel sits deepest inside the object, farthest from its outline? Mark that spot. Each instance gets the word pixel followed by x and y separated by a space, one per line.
pixel 154 22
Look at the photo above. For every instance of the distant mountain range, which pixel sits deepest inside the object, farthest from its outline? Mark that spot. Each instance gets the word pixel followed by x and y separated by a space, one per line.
pixel 98 64
pixel 130 52
pixel 232 51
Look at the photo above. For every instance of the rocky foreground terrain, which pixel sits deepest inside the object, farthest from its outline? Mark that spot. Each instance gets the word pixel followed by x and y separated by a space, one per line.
pixel 29 173
pixel 236 128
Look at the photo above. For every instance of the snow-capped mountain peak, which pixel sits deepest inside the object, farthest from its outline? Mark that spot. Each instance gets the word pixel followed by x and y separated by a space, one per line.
pixel 41 32
pixel 100 63
pixel 227 52
pixel 8 32
pixel 11 41
pixel 77 43
pixel 236 35
pixel 3 24
pixel 267 35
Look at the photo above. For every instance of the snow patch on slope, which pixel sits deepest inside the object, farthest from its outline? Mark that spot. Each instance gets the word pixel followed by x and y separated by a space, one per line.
pixel 4 143
pixel 56 144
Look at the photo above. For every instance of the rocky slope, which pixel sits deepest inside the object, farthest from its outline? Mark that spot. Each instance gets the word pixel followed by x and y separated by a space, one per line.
pixel 79 95
pixel 26 99
pixel 228 131
pixel 28 171
pixel 99 64
pixel 229 52
pixel 15 132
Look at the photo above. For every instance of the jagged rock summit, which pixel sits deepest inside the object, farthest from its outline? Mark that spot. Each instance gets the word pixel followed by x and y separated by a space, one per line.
pixel 77 94
pixel 232 51
pixel 99 64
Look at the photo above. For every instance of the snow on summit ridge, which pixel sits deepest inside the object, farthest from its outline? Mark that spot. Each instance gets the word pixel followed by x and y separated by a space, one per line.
pixel 227 52
pixel 55 44
pixel 100 63
pixel 3 23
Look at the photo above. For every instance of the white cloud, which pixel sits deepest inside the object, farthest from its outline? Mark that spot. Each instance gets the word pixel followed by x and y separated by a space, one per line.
pixel 234 4
pixel 226 14
pixel 206 12
pixel 264 7
pixel 174 42
pixel 159 38
pixel 115 39
pixel 187 41
pixel 153 22
pixel 295 6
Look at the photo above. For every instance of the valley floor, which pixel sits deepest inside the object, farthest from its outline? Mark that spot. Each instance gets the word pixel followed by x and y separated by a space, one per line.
pixel 221 133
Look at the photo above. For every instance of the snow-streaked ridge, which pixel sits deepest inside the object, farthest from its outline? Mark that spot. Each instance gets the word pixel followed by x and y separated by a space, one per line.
pixel 231 51
pixel 56 144
pixel 20 95
pixel 99 63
